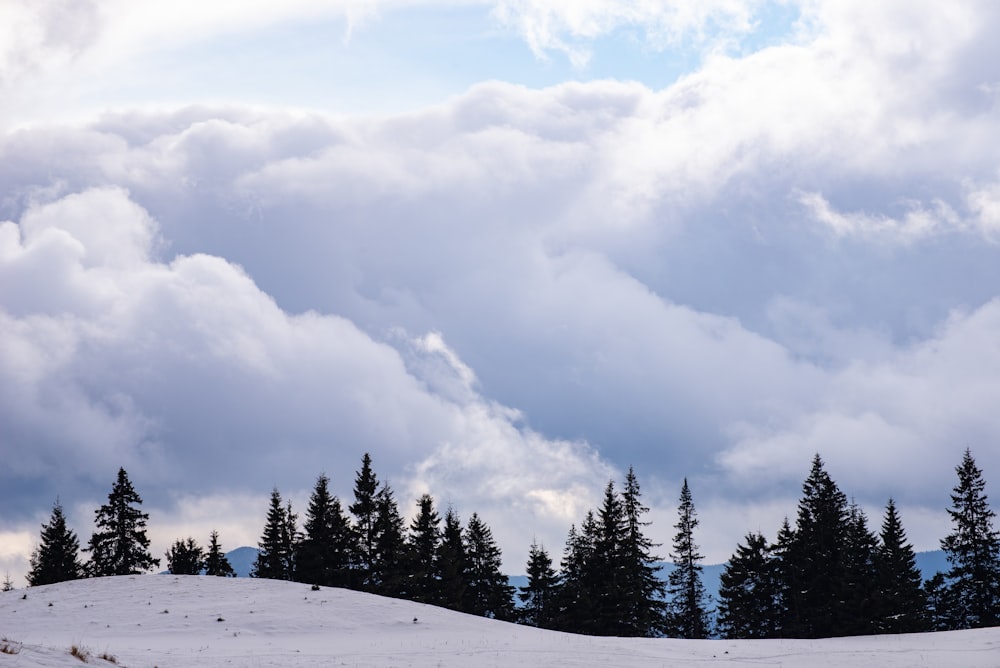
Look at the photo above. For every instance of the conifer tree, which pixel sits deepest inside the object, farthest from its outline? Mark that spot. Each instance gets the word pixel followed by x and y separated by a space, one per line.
pixel 687 613
pixel 489 593
pixel 452 563
pixel 389 546
pixel 365 512
pixel 274 554
pixel 57 557
pixel 815 560
pixel 328 545
pixel 973 551
pixel 608 597
pixel 860 590
pixel 903 606
pixel 748 592
pixel 120 546
pixel 643 591
pixel 577 577
pixel 786 576
pixel 216 562
pixel 941 605
pixel 539 594
pixel 422 550
pixel 185 557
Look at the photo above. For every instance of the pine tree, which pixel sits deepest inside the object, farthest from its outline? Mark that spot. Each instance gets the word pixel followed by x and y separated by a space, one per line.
pixel 452 563
pixel 185 557
pixel 607 591
pixel 577 580
pixel 539 594
pixel 57 557
pixel 903 606
pixel 748 592
pixel 941 605
pixel 120 546
pixel 364 509
pixel 489 593
pixel 389 546
pixel 328 546
pixel 422 583
pixel 216 562
pixel 973 551
pixel 274 554
pixel 8 584
pixel 786 576
pixel 815 560
pixel 642 590
pixel 860 592
pixel 687 615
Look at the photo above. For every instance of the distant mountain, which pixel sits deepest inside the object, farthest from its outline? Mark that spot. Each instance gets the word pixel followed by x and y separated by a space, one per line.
pixel 242 559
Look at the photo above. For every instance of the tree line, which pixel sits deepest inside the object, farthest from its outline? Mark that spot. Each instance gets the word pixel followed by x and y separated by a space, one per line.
pixel 826 575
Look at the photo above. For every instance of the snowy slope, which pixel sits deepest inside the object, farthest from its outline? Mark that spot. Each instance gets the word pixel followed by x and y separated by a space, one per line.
pixel 165 620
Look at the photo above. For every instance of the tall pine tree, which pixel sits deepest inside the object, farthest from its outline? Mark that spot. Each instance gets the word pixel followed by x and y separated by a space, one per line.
pixel 642 589
pixel 860 592
pixel 577 578
pixel 749 605
pixel 687 614
pixel 216 562
pixel 274 551
pixel 57 557
pixel 328 545
pixel 120 546
pixel 538 596
pixel 489 593
pixel 902 604
pixel 388 566
pixel 452 563
pixel 422 583
pixel 973 551
pixel 365 512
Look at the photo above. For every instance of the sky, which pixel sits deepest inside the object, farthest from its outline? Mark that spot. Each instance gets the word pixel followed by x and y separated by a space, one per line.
pixel 169 621
pixel 510 248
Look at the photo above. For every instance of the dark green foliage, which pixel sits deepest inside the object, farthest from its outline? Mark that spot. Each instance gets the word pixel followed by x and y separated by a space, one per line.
pixel 786 616
pixel 539 594
pixel 364 509
pixel 642 590
pixel 860 588
pixel 185 557
pixel 452 563
pixel 902 604
pixel 120 546
pixel 421 554
pixel 275 550
pixel 216 563
pixel 814 562
pixel 328 545
pixel 489 593
pixel 687 615
pixel 57 557
pixel 388 564
pixel 749 600
pixel 577 580
pixel 607 594
pixel 973 550
pixel 941 605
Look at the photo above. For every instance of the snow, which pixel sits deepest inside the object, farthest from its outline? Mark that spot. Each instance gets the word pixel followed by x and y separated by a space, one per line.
pixel 166 620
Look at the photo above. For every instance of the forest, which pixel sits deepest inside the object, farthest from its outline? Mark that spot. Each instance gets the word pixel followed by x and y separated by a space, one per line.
pixel 827 573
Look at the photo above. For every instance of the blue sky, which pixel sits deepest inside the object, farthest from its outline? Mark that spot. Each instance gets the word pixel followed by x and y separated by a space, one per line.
pixel 509 248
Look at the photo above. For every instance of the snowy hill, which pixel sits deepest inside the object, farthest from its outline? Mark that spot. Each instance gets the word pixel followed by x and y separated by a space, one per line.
pixel 166 620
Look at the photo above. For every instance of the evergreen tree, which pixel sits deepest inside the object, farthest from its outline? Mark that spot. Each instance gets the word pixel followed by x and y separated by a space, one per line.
pixel 608 596
pixel 489 593
pixel 577 578
pixel 941 605
pixel 687 614
pixel 185 557
pixel 749 604
pixel 539 594
pixel 325 553
pixel 786 574
pixel 364 509
pixel 57 557
pixel 389 546
pixel 274 554
pixel 642 590
pixel 216 562
pixel 452 563
pixel 422 550
pixel 8 584
pixel 815 559
pixel 120 546
pixel 903 606
pixel 973 551
pixel 860 592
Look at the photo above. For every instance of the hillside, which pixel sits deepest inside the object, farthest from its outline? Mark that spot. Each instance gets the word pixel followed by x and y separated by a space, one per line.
pixel 183 621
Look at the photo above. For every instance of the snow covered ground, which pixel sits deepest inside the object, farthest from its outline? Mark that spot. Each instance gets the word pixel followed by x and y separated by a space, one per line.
pixel 166 620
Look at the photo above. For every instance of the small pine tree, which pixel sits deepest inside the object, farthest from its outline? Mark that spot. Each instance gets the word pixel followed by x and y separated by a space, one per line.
pixel 688 614
pixel 274 554
pixel 120 546
pixel 452 563
pixel 328 547
pixel 216 562
pixel 489 593
pixel 185 557
pixel 57 557
pixel 8 584
pixel 973 550
pixel 539 594
pixel 422 545
pixel 903 605
pixel 748 592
